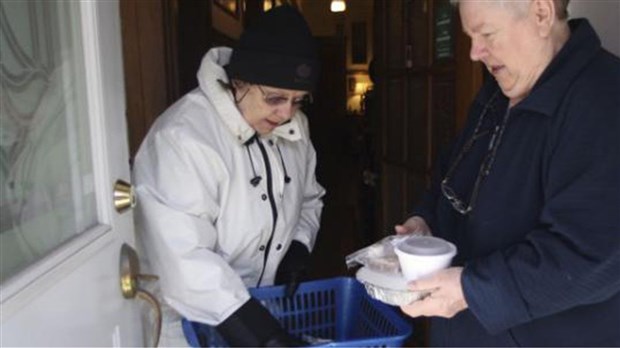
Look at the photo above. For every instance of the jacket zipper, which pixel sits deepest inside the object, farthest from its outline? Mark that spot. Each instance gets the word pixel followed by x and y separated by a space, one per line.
pixel 272 201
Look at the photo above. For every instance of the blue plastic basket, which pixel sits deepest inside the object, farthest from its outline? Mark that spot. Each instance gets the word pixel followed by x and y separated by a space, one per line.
pixel 336 309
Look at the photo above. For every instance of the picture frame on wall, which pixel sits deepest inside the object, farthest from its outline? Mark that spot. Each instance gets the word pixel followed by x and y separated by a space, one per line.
pixel 231 7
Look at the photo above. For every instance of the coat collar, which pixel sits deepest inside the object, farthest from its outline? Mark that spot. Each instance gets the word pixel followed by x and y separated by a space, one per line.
pixel 211 70
pixel 548 92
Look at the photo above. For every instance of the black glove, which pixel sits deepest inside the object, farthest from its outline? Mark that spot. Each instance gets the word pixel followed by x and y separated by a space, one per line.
pixel 253 326
pixel 292 268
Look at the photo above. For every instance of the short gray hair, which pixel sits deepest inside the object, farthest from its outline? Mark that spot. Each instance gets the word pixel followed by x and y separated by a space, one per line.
pixel 561 6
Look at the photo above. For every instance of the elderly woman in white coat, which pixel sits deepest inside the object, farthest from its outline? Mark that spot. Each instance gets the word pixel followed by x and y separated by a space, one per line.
pixel 227 194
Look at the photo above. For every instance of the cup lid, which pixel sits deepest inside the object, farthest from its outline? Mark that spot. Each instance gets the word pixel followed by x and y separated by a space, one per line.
pixel 426 246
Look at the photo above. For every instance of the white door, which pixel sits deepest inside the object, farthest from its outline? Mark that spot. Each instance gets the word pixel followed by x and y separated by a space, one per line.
pixel 63 144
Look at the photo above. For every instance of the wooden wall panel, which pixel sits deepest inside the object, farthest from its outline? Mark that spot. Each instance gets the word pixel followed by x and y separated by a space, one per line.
pixel 416 184
pixel 395 121
pixel 417 124
pixel 418 30
pixel 393 181
pixel 423 100
pixel 394 27
pixel 443 112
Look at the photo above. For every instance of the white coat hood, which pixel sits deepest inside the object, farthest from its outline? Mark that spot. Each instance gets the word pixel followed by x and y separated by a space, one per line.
pixel 210 67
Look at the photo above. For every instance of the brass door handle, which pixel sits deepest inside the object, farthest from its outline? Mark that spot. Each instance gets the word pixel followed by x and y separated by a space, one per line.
pixel 130 284
pixel 124 196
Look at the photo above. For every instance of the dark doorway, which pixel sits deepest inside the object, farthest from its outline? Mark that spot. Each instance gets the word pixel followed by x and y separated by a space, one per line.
pixel 337 169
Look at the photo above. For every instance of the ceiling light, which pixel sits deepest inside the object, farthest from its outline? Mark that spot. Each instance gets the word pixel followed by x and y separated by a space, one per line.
pixel 338 6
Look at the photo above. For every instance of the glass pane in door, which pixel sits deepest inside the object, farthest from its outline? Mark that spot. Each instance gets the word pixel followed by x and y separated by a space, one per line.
pixel 46 172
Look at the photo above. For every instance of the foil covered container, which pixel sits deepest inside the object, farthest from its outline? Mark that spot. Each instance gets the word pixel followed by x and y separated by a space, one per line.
pixel 394 297
pixel 390 288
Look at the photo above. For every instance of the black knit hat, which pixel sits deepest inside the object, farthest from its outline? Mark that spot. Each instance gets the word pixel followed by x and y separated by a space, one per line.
pixel 277 50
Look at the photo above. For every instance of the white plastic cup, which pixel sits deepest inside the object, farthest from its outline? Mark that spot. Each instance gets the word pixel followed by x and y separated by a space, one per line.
pixel 420 256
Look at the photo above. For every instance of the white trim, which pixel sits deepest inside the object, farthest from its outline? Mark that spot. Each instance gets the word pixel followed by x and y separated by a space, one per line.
pixel 96 114
pixel 73 103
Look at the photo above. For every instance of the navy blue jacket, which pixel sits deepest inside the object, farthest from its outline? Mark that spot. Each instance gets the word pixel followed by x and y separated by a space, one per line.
pixel 541 249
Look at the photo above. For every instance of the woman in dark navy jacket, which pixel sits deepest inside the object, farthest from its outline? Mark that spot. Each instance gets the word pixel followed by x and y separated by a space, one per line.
pixel 530 192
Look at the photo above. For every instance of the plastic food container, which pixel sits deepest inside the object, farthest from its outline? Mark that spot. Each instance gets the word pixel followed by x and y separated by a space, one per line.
pixel 390 288
pixel 420 256
pixel 334 312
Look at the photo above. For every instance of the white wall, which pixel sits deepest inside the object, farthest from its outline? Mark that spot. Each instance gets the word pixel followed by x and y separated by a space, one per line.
pixel 604 16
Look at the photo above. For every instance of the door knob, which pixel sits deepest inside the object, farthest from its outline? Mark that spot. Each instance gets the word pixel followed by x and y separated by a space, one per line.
pixel 130 284
pixel 124 197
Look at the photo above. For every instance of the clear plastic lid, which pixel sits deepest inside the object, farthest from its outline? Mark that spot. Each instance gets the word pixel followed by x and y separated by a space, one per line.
pixel 425 246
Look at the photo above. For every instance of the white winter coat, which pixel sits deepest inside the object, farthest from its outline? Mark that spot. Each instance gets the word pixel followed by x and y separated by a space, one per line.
pixel 209 233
